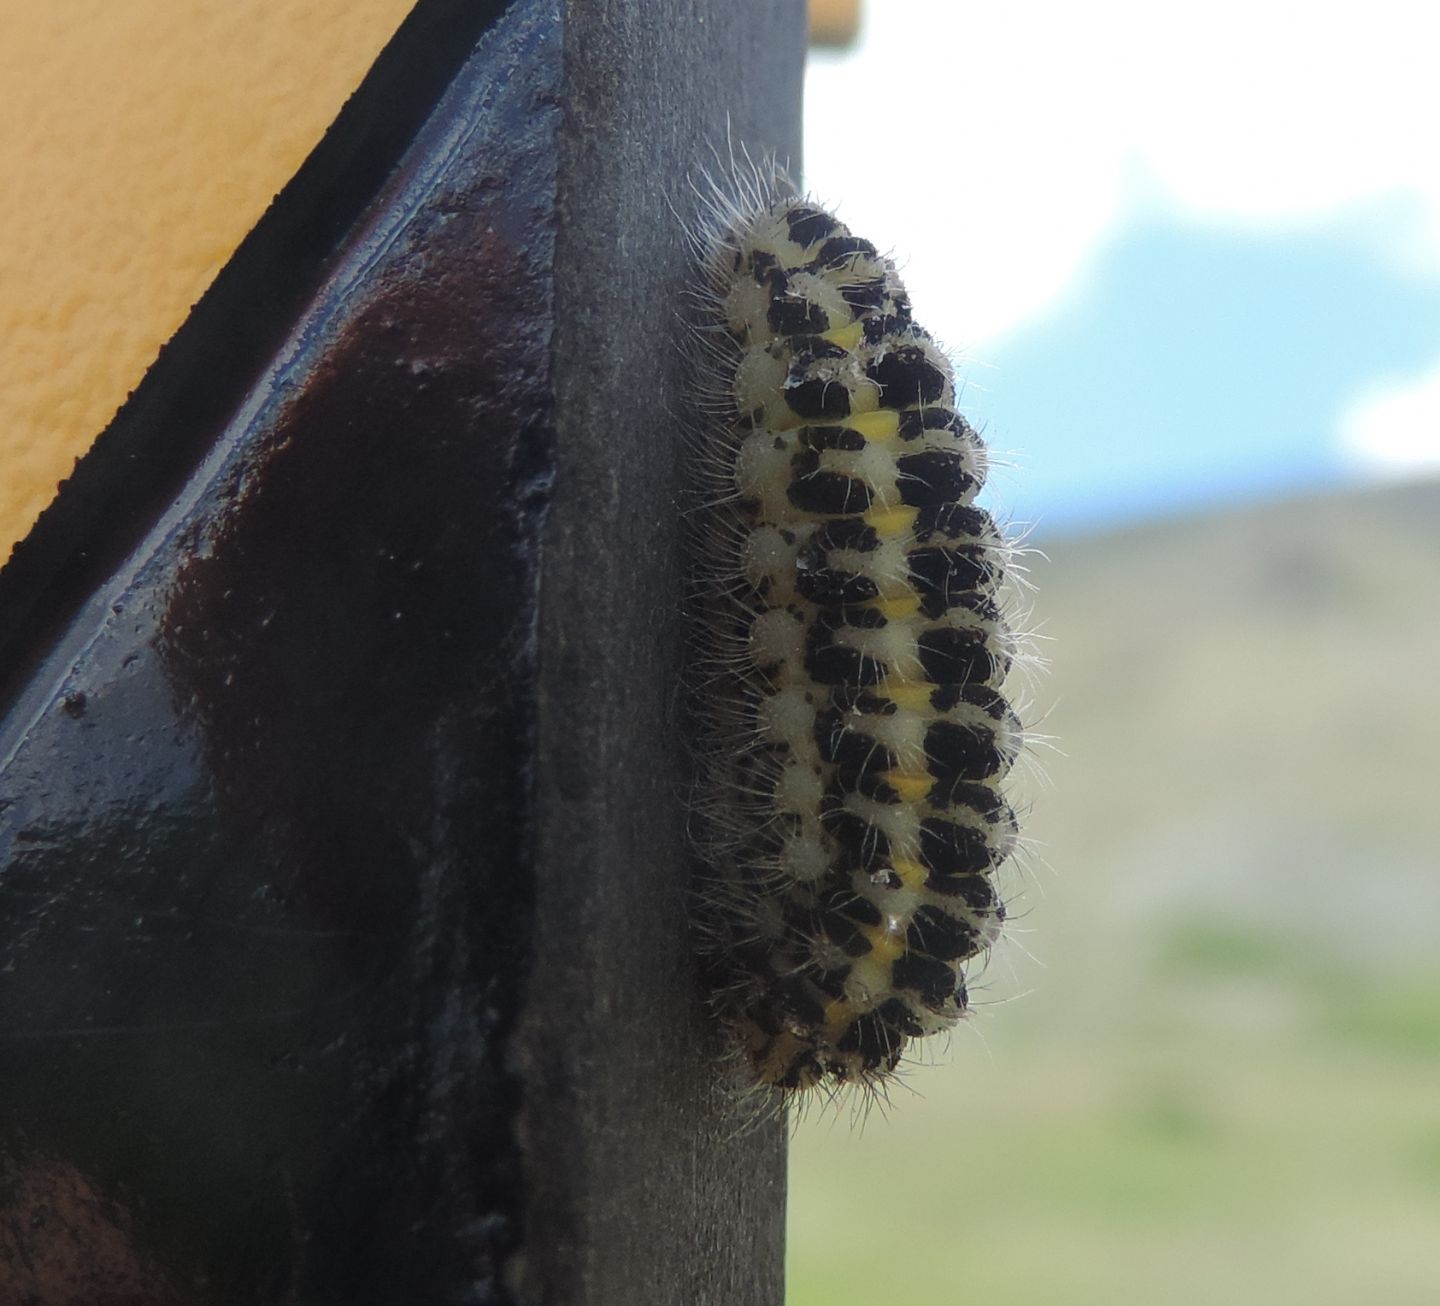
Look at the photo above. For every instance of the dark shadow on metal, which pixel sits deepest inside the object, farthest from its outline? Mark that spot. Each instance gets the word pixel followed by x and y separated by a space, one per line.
pixel 342 936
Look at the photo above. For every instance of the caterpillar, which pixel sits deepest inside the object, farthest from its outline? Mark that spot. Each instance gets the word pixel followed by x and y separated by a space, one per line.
pixel 851 637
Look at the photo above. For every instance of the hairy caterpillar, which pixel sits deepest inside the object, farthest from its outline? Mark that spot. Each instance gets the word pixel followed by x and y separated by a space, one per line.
pixel 850 646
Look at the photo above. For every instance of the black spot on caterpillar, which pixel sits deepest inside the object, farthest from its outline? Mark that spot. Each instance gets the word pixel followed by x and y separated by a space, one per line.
pixel 850 646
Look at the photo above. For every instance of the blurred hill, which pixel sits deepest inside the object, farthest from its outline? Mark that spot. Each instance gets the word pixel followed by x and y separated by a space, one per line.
pixel 1249 708
pixel 1219 1078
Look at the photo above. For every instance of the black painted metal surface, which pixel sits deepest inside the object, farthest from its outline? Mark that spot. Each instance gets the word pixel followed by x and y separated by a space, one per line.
pixel 636 1164
pixel 342 943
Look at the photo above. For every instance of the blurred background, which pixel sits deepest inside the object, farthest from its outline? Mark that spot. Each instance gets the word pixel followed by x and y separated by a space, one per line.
pixel 1189 259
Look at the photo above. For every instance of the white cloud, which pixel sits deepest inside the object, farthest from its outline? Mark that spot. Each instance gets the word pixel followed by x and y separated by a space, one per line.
pixel 1394 429
pixel 996 146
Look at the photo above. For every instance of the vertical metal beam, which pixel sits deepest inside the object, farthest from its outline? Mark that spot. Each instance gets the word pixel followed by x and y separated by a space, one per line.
pixel 636 1167
pixel 342 940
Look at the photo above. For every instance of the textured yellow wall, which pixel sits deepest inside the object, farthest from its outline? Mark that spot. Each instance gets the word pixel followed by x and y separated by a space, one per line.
pixel 140 141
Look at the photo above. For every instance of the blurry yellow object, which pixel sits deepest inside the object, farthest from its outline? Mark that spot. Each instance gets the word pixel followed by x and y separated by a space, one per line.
pixel 834 23
pixel 141 141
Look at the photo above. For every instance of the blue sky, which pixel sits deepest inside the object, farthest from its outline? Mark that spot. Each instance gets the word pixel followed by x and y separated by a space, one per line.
pixel 1183 258
pixel 1195 366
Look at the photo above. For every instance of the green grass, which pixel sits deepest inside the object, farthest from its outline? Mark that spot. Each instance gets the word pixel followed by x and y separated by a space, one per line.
pixel 1304 1173
pixel 1223 1084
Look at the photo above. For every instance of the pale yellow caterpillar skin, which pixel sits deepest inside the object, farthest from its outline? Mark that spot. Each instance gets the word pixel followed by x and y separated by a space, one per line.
pixel 852 646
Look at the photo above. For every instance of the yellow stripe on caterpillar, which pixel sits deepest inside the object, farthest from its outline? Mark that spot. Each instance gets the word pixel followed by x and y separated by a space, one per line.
pixel 882 424
pixel 888 523
pixel 885 943
pixel 909 697
pixel 847 336
pixel 912 788
pixel 912 874
pixel 896 607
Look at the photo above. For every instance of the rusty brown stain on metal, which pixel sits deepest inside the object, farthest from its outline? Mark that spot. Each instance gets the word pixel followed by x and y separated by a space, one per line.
pixel 62 1241
pixel 335 604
